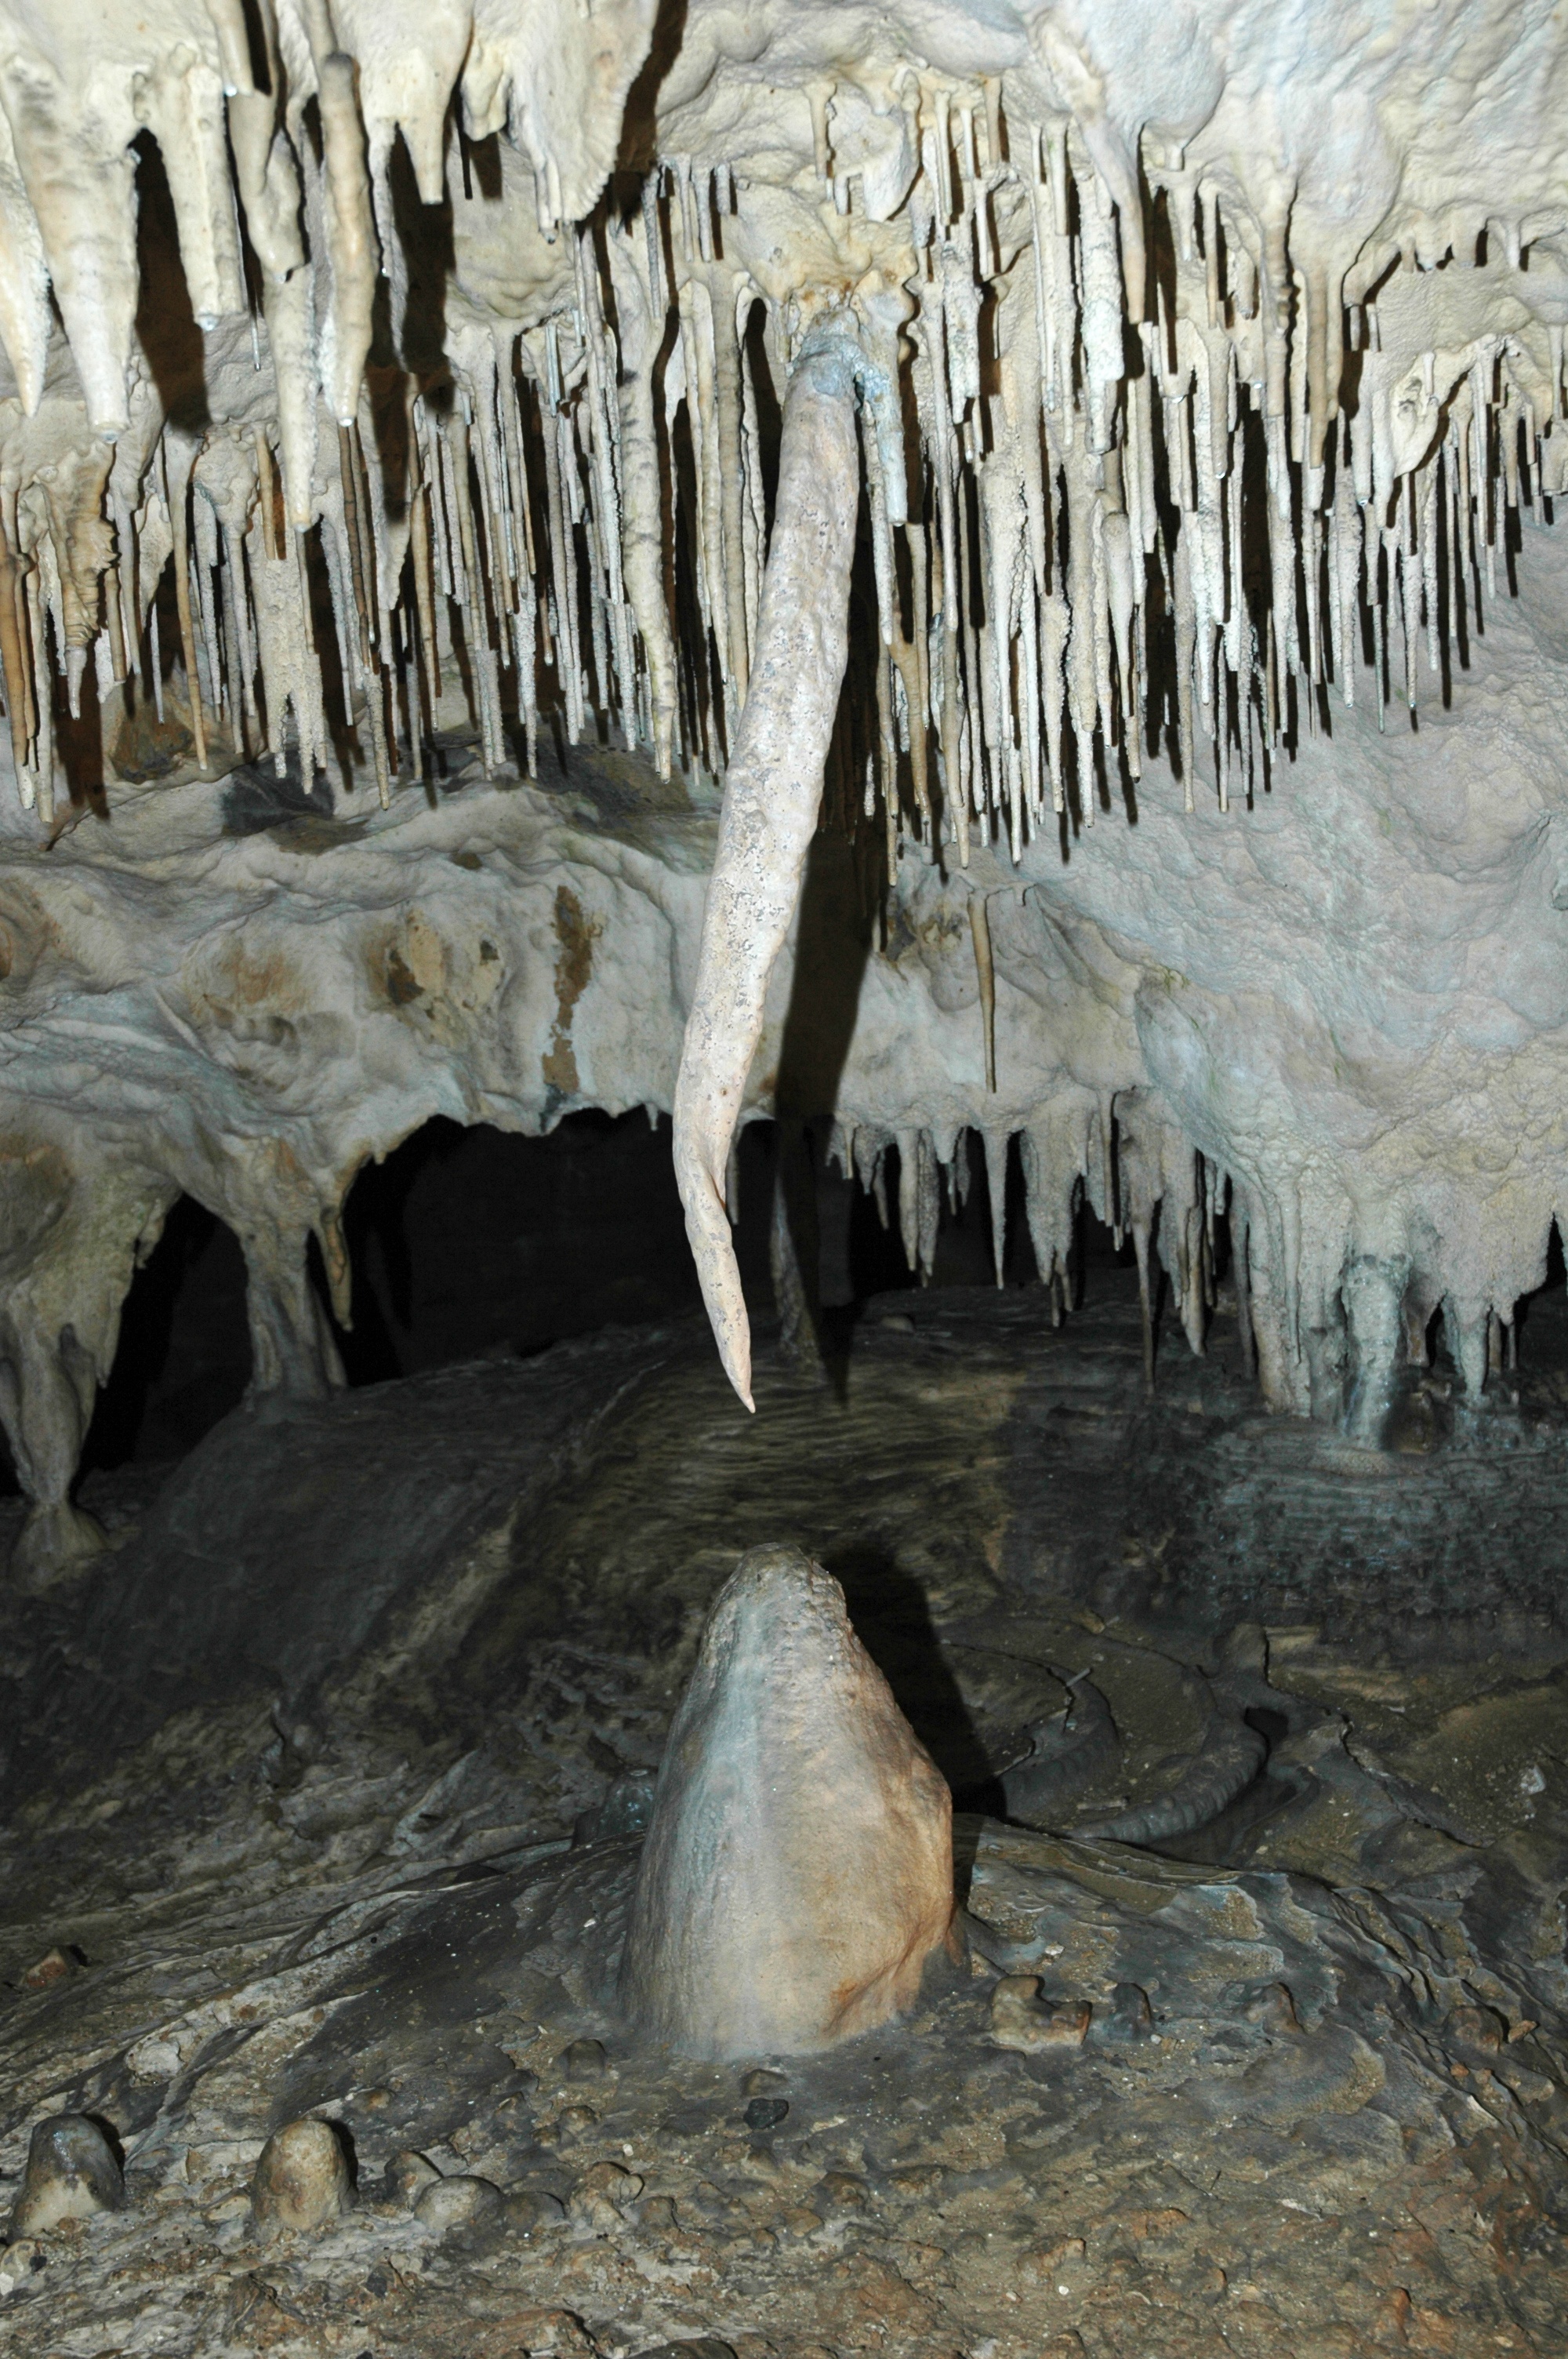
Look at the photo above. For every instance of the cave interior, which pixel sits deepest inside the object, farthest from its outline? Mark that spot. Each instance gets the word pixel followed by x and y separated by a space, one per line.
pixel 784 1048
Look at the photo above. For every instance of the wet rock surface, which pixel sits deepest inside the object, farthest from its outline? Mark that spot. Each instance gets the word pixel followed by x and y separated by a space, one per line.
pixel 1307 2089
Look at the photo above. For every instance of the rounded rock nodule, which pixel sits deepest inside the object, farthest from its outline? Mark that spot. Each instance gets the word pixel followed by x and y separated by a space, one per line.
pixel 301 2178
pixel 530 2211
pixel 72 2173
pixel 456 2202
pixel 406 2178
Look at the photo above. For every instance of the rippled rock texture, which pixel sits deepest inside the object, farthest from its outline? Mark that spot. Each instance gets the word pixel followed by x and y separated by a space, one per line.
pixel 327 1783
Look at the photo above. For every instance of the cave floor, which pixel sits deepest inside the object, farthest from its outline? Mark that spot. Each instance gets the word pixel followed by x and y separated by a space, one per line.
pixel 313 1784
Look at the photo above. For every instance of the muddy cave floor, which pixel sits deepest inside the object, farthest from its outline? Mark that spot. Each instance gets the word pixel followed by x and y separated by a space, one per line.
pixel 314 1783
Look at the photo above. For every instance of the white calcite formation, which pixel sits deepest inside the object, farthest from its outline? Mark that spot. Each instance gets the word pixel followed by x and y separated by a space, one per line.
pixel 1165 395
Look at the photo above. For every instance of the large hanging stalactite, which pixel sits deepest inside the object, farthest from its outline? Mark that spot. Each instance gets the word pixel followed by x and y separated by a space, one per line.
pixel 772 792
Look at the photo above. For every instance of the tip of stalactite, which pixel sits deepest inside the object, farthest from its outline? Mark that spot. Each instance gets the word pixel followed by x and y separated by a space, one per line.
pixel 735 1352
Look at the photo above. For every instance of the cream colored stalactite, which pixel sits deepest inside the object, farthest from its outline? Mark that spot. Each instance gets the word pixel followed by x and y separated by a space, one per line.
pixel 271 196
pixel 634 270
pixel 1065 1154
pixel 602 413
pixel 559 470
pixel 410 54
pixel 1160 1198
pixel 24 279
pixel 36 590
pixel 724 286
pixel 558 79
pixel 771 794
pixel 919 1194
pixel 181 102
pixel 226 480
pixel 287 656
pixel 74 165
pixel 525 612
pixel 495 487
pixel 998 1149
pixel 204 562
pixel 342 223
pixel 178 460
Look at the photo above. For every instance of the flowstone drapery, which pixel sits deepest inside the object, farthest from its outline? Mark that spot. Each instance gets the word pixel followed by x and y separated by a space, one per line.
pixel 373 375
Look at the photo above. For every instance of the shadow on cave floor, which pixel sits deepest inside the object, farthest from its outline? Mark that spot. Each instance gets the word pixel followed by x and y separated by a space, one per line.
pixel 892 1616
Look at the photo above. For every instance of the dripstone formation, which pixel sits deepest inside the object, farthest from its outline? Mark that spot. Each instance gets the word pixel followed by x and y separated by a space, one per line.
pixel 1085 467
pixel 796 1879
pixel 72 2173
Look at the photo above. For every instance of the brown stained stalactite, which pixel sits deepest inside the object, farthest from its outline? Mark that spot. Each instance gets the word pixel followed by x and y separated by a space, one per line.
pixel 12 660
pixel 985 973
pixel 772 791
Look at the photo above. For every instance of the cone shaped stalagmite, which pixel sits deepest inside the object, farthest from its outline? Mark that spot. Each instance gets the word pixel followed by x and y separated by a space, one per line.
pixel 798 1872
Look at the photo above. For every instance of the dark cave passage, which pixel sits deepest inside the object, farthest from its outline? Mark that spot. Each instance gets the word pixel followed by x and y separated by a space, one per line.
pixel 184 1355
pixel 473 1242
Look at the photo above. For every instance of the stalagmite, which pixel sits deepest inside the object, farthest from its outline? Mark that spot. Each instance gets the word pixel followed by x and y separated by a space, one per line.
pixel 771 795
pixel 797 1882
pixel 72 2174
pixel 301 2180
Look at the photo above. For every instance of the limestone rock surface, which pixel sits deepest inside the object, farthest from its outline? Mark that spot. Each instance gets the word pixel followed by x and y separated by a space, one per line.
pixel 797 1876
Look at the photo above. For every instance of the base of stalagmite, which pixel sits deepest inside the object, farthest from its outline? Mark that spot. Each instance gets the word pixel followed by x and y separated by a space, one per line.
pixel 797 1876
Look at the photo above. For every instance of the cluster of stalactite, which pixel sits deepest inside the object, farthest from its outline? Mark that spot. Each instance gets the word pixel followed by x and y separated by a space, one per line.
pixel 1123 1161
pixel 1163 489
pixel 1183 457
pixel 1142 471
pixel 469 571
